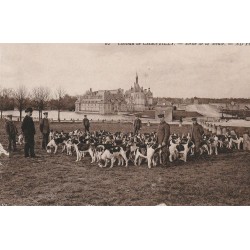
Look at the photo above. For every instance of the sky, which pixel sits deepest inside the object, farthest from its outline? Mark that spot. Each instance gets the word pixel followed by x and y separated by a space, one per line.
pixel 168 70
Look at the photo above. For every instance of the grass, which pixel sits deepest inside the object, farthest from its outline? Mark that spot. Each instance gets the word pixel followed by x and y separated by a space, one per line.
pixel 59 180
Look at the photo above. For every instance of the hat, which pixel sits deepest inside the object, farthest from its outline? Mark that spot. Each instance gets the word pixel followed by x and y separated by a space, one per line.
pixel 45 113
pixel 161 115
pixel 29 110
pixel 194 119
pixel 10 116
pixel 85 115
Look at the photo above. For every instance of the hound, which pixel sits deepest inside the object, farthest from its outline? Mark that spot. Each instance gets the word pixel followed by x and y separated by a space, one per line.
pixel 3 152
pixel 20 139
pixel 82 148
pixel 184 147
pixel 55 143
pixel 213 145
pixel 237 142
pixel 112 154
pixel 173 152
pixel 148 153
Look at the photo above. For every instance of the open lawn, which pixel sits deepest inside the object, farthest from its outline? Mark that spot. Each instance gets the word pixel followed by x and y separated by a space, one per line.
pixel 59 180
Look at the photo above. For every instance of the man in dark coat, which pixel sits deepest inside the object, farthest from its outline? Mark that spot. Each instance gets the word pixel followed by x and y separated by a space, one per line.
pixel 196 134
pixel 11 131
pixel 86 123
pixel 163 134
pixel 180 122
pixel 28 128
pixel 137 124
pixel 45 129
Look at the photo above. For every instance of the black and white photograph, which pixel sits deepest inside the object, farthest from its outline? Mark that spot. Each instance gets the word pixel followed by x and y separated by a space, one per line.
pixel 126 124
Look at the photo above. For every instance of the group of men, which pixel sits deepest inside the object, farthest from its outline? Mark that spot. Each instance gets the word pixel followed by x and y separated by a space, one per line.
pixel 29 131
pixel 163 134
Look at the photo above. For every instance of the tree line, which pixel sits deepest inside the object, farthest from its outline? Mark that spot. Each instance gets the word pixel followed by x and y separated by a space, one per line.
pixel 40 98
pixel 43 98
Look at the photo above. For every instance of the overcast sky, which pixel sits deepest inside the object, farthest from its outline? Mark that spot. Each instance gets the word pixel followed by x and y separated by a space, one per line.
pixel 170 71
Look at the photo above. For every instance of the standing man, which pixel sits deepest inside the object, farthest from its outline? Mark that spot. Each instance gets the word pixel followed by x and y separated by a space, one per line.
pixel 86 123
pixel 11 131
pixel 137 124
pixel 196 135
pixel 28 128
pixel 246 141
pixel 219 130
pixel 224 131
pixel 45 129
pixel 214 129
pixel 180 122
pixel 163 133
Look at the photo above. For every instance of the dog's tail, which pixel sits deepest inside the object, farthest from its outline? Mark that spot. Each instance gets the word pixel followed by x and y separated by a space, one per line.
pixel 160 148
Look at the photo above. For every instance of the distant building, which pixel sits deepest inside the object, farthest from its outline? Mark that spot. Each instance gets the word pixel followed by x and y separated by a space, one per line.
pixel 137 98
pixel 112 101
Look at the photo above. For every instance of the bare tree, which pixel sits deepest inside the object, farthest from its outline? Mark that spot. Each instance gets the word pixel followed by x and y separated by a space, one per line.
pixel 40 96
pixel 2 103
pixel 6 99
pixel 59 93
pixel 5 96
pixel 20 95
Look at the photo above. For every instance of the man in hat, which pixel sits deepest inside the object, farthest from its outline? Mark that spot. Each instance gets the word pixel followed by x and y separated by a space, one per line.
pixel 11 131
pixel 219 130
pixel 137 124
pixel 28 128
pixel 86 123
pixel 214 129
pixel 246 140
pixel 224 131
pixel 180 122
pixel 163 133
pixel 196 134
pixel 45 130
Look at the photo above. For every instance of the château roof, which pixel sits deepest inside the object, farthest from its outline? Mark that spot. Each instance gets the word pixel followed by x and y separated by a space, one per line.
pixel 115 95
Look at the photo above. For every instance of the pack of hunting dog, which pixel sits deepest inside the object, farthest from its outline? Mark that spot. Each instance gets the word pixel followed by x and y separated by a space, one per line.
pixel 105 148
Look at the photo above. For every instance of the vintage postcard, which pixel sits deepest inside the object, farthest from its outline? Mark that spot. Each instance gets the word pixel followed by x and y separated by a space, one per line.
pixel 127 124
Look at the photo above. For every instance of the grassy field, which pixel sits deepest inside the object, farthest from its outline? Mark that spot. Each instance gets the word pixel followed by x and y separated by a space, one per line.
pixel 59 180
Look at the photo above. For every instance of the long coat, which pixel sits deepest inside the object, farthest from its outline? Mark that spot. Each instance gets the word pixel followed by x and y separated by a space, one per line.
pixel 28 126
pixel 11 129
pixel 44 126
pixel 163 132
pixel 214 130
pixel 246 142
pixel 86 123
pixel 218 131
pixel 197 132
pixel 137 124
pixel 224 131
